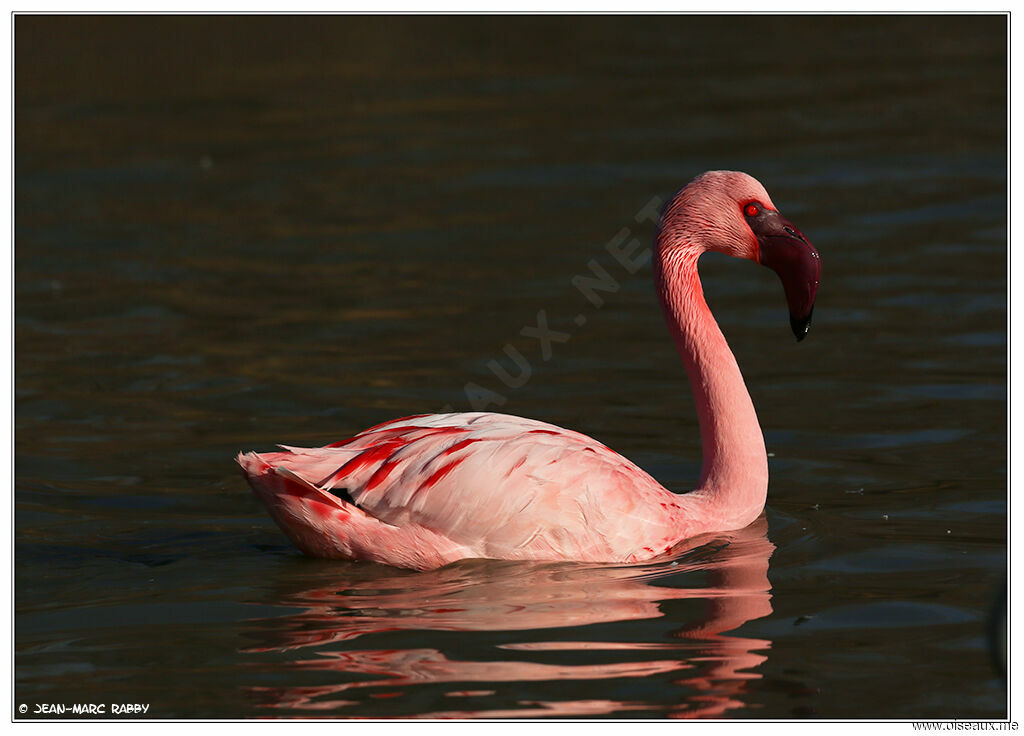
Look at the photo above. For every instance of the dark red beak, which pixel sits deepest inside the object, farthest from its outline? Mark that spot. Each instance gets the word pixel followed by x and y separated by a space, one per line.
pixel 786 251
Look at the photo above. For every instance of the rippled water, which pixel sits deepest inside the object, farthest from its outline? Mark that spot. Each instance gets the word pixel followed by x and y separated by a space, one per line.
pixel 235 232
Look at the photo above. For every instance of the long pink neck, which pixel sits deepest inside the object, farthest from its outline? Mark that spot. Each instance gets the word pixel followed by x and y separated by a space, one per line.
pixel 734 473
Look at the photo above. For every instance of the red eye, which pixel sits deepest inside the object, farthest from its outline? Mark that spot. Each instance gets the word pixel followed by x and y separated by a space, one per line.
pixel 751 210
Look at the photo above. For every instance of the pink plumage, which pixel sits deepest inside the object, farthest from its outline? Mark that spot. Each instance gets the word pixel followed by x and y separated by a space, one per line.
pixel 426 490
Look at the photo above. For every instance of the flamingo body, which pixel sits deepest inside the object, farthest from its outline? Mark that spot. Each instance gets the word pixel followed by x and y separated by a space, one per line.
pixel 426 490
pixel 498 486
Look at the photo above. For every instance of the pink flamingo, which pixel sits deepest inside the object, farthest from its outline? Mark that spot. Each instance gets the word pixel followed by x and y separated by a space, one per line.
pixel 423 491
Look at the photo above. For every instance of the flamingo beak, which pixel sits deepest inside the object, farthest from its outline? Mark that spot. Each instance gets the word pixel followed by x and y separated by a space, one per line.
pixel 785 250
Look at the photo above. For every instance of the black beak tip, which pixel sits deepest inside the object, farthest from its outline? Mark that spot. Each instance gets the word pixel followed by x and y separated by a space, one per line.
pixel 801 326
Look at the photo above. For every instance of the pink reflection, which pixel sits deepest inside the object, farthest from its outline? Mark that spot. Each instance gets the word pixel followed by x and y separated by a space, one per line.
pixel 713 669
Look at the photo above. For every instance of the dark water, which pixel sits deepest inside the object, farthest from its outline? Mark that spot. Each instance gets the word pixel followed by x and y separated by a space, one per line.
pixel 235 232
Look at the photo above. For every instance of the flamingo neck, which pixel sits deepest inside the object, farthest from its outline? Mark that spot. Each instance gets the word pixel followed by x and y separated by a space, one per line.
pixel 734 472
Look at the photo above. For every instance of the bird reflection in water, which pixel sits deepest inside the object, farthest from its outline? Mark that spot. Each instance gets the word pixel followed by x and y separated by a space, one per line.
pixel 706 671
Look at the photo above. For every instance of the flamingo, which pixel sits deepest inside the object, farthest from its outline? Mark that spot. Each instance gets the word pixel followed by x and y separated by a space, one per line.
pixel 423 491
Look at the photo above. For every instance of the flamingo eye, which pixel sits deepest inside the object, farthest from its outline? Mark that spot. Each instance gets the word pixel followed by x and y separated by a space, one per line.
pixel 752 210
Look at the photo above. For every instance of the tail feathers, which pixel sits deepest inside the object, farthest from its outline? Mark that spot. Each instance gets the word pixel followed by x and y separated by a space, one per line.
pixel 251 463
pixel 264 474
pixel 323 525
pixel 316 463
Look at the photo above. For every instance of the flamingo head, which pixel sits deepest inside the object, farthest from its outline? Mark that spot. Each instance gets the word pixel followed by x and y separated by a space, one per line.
pixel 730 212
